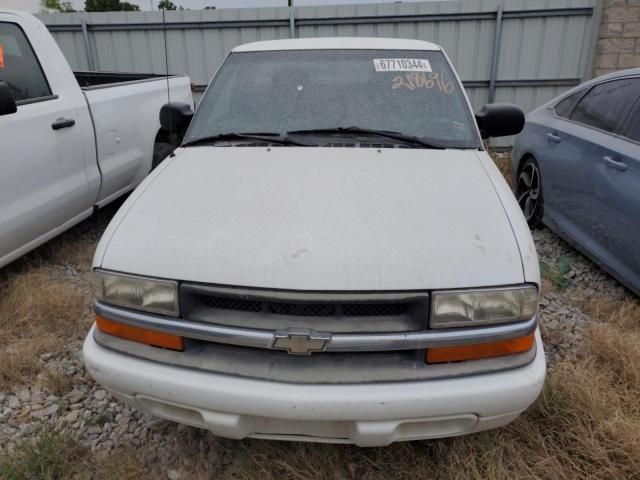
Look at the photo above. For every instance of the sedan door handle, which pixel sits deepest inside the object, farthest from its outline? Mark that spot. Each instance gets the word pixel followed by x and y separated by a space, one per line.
pixel 554 138
pixel 614 163
pixel 63 123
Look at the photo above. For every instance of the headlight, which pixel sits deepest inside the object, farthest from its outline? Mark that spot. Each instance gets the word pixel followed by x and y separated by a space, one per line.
pixel 156 296
pixel 464 308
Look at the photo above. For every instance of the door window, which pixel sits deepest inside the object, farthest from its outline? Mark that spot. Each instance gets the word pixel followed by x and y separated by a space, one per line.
pixel 608 104
pixel 19 67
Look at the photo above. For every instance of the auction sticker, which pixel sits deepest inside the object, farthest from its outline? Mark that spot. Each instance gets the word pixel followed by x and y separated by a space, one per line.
pixel 401 65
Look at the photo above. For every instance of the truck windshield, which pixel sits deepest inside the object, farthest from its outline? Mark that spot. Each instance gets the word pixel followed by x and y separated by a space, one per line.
pixel 321 92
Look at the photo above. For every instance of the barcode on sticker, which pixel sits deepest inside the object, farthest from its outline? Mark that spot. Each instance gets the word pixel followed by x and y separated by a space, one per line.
pixel 401 65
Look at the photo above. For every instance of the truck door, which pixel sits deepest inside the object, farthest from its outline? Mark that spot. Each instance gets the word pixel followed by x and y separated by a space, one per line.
pixel 44 184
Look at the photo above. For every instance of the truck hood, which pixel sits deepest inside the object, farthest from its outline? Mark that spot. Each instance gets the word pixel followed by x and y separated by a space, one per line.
pixel 317 219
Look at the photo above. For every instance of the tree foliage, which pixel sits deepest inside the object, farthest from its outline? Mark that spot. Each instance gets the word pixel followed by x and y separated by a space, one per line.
pixel 129 7
pixel 57 5
pixel 166 5
pixel 109 6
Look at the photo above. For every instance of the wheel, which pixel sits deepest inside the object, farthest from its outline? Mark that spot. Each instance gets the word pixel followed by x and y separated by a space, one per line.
pixel 161 151
pixel 529 192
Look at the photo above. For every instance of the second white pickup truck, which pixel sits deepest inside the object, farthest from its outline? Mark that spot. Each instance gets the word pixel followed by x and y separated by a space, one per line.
pixel 69 143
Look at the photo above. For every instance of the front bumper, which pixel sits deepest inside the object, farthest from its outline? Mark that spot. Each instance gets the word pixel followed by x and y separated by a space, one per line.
pixel 372 414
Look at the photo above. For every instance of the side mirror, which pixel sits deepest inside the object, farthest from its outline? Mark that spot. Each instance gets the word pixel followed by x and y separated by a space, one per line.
pixel 7 102
pixel 500 120
pixel 175 117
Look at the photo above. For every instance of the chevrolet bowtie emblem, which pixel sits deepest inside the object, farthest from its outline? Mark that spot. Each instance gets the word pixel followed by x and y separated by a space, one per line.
pixel 301 342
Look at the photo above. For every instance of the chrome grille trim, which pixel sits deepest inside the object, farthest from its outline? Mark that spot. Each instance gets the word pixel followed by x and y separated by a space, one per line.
pixel 285 295
pixel 335 342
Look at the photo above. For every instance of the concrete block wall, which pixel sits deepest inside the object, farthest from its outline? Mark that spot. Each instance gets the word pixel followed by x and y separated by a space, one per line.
pixel 618 44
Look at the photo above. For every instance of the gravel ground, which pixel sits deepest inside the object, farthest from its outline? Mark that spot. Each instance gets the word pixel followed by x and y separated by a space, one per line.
pixel 102 424
pixel 569 281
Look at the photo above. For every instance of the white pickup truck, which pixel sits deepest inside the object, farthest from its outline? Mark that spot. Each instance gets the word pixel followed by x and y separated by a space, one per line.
pixel 70 143
pixel 330 256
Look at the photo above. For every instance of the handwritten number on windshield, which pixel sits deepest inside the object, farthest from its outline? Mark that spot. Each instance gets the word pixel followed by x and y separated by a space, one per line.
pixel 416 80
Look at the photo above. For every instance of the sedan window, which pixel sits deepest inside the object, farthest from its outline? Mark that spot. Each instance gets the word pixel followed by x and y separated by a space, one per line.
pixel 565 107
pixel 608 104
pixel 633 132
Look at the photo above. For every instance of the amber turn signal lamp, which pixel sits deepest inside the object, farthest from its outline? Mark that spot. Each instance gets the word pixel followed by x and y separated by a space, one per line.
pixel 140 335
pixel 480 350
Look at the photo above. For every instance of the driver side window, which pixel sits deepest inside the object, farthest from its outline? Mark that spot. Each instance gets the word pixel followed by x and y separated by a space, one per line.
pixel 19 67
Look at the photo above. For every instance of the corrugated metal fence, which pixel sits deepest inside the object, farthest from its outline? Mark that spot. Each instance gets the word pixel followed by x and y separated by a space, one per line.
pixel 519 51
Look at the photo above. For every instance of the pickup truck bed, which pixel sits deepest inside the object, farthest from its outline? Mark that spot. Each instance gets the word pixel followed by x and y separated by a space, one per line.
pixel 91 80
pixel 120 137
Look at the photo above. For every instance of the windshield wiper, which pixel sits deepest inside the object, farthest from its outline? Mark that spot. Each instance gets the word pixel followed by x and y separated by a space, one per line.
pixel 263 136
pixel 416 141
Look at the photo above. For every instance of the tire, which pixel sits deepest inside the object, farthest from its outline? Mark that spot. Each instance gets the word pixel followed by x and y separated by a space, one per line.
pixel 161 151
pixel 529 192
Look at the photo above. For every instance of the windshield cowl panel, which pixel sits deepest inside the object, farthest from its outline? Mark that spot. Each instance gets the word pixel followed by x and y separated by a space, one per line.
pixel 321 97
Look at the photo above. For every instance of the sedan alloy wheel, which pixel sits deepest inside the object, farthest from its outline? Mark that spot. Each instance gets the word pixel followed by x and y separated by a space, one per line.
pixel 529 193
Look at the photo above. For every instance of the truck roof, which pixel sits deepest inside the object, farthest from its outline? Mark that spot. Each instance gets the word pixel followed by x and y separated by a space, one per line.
pixel 19 13
pixel 338 43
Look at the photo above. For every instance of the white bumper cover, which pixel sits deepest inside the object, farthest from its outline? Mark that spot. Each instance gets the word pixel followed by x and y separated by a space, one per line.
pixel 364 414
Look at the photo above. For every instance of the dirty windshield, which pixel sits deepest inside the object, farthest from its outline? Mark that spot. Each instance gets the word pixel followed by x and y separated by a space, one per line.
pixel 306 92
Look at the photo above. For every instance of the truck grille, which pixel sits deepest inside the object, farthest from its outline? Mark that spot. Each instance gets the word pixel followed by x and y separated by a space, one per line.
pixel 229 303
pixel 375 309
pixel 306 309
pixel 328 312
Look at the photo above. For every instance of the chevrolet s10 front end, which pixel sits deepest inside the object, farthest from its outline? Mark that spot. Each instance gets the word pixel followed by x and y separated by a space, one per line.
pixel 330 256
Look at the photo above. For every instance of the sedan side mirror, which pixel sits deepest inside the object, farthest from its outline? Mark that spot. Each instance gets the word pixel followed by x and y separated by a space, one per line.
pixel 175 117
pixel 7 102
pixel 500 120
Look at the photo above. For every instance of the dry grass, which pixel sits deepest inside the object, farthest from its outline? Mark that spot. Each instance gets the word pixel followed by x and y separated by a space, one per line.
pixel 52 455
pixel 43 306
pixel 39 313
pixel 503 162
pixel 624 314
pixel 49 455
pixel 121 464
pixel 58 382
pixel 72 249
